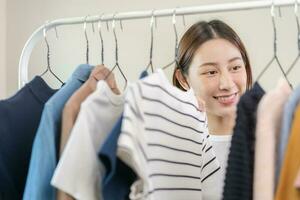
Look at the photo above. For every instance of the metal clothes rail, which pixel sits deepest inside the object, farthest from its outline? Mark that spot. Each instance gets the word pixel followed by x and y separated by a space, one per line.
pixel 226 7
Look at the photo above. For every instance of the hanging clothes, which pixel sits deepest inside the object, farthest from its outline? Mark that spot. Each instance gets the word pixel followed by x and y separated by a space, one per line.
pixel 72 107
pixel 164 139
pixel 291 163
pixel 45 148
pixel 19 119
pixel 269 116
pixel 239 174
pixel 118 176
pixel 286 124
pixel 79 170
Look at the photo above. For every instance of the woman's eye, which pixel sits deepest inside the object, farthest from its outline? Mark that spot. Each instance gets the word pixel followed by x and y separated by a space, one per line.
pixel 235 68
pixel 210 72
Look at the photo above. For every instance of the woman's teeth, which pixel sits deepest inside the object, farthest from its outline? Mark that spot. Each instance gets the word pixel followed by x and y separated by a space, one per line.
pixel 226 98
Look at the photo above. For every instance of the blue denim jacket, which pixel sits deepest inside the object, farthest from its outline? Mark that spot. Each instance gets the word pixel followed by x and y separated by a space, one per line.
pixel 43 157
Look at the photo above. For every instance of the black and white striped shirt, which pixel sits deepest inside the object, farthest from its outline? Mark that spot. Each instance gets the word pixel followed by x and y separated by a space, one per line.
pixel 165 140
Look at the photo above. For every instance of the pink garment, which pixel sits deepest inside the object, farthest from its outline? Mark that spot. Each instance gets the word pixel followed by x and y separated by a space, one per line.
pixel 269 115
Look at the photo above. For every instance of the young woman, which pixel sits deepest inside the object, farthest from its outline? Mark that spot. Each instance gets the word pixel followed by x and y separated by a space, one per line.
pixel 213 61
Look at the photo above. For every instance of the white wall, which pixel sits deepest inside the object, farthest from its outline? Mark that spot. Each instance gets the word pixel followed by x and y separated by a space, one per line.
pixel 3 49
pixel 23 17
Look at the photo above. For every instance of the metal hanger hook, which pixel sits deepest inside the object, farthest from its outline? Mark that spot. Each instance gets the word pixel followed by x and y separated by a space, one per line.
pixel 151 29
pixel 274 28
pixel 176 34
pixel 151 41
pixel 272 9
pixel 99 26
pixel 56 35
pixel 101 38
pixel 84 24
pixel 152 18
pixel 113 24
pixel 174 17
pixel 115 35
pixel 45 29
pixel 86 38
pixel 47 44
pixel 183 17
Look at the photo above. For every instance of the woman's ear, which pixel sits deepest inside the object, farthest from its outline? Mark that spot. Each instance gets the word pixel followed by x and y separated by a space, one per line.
pixel 181 79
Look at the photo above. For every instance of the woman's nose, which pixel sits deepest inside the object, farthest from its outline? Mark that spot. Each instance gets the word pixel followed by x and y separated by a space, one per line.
pixel 226 82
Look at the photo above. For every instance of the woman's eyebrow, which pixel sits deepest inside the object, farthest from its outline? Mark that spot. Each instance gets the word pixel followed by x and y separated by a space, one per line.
pixel 234 59
pixel 216 64
pixel 209 64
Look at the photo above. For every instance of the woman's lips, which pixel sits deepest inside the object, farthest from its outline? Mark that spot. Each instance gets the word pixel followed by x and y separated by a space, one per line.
pixel 227 99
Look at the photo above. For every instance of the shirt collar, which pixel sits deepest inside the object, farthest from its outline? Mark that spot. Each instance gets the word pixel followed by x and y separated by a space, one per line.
pixel 41 89
pixel 82 72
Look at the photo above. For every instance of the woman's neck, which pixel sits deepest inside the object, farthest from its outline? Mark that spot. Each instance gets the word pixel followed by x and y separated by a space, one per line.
pixel 221 125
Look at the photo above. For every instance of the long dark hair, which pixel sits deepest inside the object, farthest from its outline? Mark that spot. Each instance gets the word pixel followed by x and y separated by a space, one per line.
pixel 201 32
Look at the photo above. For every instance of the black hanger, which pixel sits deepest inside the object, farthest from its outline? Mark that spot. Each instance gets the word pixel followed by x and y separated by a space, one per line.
pixel 275 57
pixel 48 56
pixel 116 52
pixel 298 39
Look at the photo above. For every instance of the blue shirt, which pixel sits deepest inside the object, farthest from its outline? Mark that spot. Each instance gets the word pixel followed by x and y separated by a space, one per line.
pixel 19 119
pixel 44 153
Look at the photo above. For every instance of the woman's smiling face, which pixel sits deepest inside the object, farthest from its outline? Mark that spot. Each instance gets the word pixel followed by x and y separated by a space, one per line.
pixel 217 74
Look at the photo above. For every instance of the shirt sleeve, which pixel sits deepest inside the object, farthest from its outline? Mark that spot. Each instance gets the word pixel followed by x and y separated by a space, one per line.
pixel 129 147
pixel 43 160
pixel 210 164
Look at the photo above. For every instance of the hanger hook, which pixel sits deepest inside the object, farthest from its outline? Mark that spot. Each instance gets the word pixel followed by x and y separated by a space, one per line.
pixel 183 18
pixel 116 51
pixel 93 27
pixel 56 35
pixel 176 41
pixel 272 9
pixel 121 24
pixel 48 54
pixel 152 36
pixel 298 39
pixel 86 38
pixel 176 34
pixel 47 44
pixel 151 41
pixel 101 38
pixel 274 28
pixel 115 36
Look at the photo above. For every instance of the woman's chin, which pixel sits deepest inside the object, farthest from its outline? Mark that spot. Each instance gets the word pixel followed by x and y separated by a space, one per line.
pixel 226 111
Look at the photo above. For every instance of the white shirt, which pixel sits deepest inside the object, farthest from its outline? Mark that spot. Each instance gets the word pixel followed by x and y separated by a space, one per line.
pixel 165 139
pixel 214 186
pixel 78 172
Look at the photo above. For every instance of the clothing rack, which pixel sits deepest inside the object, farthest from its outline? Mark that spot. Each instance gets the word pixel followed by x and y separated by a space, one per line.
pixel 38 33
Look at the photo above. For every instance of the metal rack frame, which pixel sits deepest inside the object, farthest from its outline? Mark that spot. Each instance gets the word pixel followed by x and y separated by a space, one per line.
pixel 37 35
